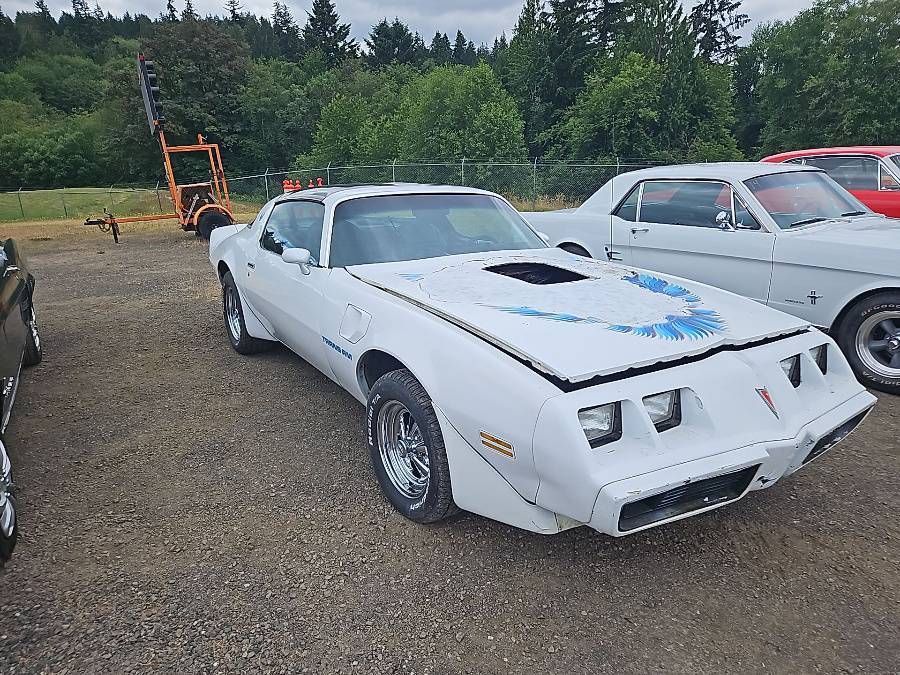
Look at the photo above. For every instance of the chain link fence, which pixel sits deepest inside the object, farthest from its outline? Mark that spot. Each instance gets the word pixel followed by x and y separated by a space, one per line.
pixel 533 185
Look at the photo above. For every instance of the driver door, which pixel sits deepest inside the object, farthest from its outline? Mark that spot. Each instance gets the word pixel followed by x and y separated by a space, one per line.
pixel 701 230
pixel 291 300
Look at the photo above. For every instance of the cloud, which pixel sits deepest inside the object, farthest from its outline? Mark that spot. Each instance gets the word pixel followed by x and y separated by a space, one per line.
pixel 479 20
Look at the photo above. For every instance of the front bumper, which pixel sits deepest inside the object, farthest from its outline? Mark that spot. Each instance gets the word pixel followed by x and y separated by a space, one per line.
pixel 679 491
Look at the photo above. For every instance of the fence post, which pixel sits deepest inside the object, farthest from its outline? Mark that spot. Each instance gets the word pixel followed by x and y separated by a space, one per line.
pixel 21 208
pixel 462 171
pixel 394 171
pixel 158 199
pixel 62 198
pixel 328 173
pixel 534 186
pixel 266 181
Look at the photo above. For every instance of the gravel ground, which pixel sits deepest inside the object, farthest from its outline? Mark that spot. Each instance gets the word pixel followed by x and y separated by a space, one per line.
pixel 187 509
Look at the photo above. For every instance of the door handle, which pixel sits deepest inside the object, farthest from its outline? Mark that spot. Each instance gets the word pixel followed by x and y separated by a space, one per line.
pixel 635 230
pixel 251 265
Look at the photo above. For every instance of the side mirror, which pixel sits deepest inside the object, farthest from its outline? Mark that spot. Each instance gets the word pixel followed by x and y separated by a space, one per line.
pixel 297 256
pixel 723 221
pixel 544 236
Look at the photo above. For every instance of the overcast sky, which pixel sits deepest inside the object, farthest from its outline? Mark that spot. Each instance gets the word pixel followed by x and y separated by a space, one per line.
pixel 480 20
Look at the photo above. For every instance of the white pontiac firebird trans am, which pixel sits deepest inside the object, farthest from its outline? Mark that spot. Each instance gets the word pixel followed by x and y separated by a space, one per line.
pixel 521 382
pixel 784 235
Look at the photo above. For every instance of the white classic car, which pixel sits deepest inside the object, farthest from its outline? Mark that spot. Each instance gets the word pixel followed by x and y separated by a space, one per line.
pixel 784 235
pixel 521 382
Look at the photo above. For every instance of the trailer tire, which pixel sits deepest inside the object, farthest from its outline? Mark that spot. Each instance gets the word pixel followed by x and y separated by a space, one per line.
pixel 209 221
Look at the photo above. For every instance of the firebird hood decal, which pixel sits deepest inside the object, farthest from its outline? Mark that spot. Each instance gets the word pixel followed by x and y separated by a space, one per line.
pixel 612 319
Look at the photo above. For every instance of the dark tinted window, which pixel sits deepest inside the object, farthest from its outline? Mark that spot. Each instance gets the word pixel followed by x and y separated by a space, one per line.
pixel 628 209
pixel 853 173
pixel 295 225
pixel 694 203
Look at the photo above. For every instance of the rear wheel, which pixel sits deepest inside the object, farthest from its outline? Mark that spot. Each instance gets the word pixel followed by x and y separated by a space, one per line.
pixel 870 337
pixel 407 448
pixel 233 313
pixel 9 524
pixel 209 221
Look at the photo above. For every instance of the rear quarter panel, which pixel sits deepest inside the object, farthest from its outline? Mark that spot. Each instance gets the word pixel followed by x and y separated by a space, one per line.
pixel 590 231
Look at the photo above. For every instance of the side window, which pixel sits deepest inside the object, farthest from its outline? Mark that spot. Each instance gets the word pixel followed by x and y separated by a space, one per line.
pixel 796 160
pixel 295 224
pixel 742 216
pixel 628 209
pixel 851 173
pixel 691 203
pixel 887 180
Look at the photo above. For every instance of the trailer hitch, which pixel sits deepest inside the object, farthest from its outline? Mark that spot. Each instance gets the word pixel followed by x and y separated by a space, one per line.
pixel 107 224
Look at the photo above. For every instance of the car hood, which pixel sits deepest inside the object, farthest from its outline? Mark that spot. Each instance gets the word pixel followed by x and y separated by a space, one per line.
pixel 875 231
pixel 593 319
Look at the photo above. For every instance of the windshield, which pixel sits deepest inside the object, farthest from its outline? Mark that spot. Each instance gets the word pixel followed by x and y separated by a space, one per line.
pixel 412 227
pixel 803 197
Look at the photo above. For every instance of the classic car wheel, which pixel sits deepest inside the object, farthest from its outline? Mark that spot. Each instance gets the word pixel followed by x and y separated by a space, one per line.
pixel 233 313
pixel 407 448
pixel 34 352
pixel 9 526
pixel 870 337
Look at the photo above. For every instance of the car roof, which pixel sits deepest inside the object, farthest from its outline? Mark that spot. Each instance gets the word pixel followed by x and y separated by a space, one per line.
pixel 877 150
pixel 343 192
pixel 716 170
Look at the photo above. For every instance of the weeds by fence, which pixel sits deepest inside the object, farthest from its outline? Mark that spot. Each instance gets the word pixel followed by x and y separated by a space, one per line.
pixel 536 184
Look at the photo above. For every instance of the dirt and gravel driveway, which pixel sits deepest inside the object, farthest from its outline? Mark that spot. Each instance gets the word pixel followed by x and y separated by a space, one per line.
pixel 186 509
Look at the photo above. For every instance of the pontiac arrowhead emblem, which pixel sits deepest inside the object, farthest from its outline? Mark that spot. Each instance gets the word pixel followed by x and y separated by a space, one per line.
pixel 767 399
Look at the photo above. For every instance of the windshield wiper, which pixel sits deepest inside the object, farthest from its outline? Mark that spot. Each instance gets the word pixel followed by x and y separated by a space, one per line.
pixel 853 213
pixel 808 221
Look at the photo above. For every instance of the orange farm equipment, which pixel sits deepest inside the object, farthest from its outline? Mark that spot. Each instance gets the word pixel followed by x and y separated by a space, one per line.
pixel 200 207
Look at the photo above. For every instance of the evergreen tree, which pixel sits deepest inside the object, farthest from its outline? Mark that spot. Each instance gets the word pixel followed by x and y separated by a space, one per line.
pixel 656 28
pixel 608 21
pixel 171 13
pixel 188 14
pixel 285 33
pixel 9 41
pixel 464 50
pixel 441 51
pixel 392 43
pixel 323 30
pixel 80 9
pixel 571 47
pixel 233 7
pixel 715 24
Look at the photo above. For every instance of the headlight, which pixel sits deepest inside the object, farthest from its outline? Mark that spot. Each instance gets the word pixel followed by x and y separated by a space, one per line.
pixel 820 356
pixel 664 409
pixel 791 368
pixel 602 424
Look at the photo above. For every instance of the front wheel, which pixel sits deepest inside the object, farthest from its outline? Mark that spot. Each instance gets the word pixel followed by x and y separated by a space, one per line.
pixel 870 337
pixel 235 326
pixel 9 525
pixel 34 352
pixel 407 448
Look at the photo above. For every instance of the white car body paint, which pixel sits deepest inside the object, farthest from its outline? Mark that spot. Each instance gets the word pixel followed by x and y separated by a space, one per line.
pixel 517 361
pixel 836 261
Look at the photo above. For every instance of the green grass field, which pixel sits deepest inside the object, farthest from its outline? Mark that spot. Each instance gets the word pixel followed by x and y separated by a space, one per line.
pixel 80 203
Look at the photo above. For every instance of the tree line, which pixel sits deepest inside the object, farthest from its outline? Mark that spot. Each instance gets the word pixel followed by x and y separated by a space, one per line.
pixel 575 79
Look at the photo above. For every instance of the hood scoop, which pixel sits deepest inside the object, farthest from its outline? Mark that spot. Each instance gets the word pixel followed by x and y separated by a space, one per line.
pixel 536 273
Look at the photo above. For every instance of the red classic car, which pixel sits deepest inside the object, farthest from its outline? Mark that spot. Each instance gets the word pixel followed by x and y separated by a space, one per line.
pixel 870 172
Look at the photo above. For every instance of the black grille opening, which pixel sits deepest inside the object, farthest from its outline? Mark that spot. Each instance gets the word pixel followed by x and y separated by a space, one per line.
pixel 536 273
pixel 685 498
pixel 829 440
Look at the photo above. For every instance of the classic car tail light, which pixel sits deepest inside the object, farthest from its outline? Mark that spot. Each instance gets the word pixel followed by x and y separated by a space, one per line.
pixel 820 356
pixel 602 424
pixel 791 368
pixel 664 409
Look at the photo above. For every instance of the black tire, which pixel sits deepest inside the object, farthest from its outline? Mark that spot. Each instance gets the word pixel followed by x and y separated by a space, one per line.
pixel 34 349
pixel 210 221
pixel 858 321
pixel 576 249
pixel 7 502
pixel 241 341
pixel 436 503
